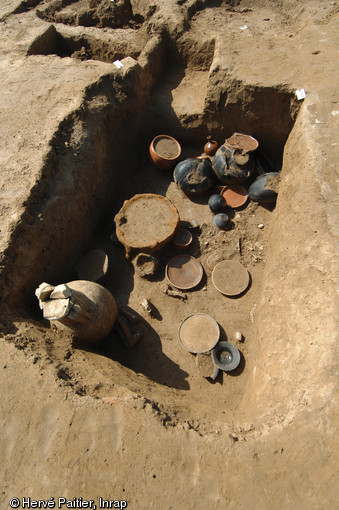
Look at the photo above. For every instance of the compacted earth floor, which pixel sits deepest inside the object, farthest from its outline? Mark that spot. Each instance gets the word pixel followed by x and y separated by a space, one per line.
pixel 142 426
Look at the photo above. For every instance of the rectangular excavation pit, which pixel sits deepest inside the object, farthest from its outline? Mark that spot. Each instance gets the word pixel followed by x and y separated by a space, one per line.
pixel 106 48
pixel 184 84
pixel 98 13
pixel 158 368
pixel 166 373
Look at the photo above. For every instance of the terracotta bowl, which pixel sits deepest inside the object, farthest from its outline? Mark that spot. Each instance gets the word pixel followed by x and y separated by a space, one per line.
pixel 182 238
pixel 164 151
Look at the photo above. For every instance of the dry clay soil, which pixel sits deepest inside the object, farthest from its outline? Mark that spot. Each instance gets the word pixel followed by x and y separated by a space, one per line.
pixel 144 426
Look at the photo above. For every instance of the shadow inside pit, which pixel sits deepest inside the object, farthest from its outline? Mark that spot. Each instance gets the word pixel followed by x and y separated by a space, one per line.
pixel 146 357
pixel 269 207
pixel 170 251
pixel 7 327
pixel 199 198
pixel 142 176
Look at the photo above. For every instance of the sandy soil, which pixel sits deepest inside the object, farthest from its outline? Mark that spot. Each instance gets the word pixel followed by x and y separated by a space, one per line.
pixel 143 425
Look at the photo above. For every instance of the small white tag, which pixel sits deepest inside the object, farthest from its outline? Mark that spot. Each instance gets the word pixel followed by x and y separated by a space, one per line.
pixel 300 93
pixel 118 64
pixel 244 27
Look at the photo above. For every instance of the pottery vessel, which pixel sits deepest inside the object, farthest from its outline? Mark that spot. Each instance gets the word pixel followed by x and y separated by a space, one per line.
pixel 164 161
pixel 226 356
pixel 235 195
pixel 264 188
pixel 217 203
pixel 146 264
pixel 82 308
pixel 211 146
pixel 243 142
pixel 182 238
pixel 194 175
pixel 233 165
pixel 221 221
pixel 137 227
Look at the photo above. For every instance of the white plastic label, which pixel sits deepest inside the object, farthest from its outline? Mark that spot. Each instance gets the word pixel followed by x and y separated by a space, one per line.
pixel 300 93
pixel 118 64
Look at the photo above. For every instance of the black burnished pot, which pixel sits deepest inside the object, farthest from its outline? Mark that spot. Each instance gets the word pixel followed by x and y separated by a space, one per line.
pixel 264 188
pixel 233 166
pixel 217 203
pixel 221 220
pixel 194 175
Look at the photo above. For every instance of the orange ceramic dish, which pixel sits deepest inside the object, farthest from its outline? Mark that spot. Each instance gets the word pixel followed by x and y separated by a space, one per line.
pixel 235 195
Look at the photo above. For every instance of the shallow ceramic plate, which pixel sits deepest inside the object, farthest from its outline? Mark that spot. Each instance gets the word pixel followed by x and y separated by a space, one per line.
pixel 230 277
pixel 235 195
pixel 199 333
pixel 184 272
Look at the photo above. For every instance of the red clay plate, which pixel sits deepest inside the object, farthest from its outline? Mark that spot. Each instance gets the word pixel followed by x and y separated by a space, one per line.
pixel 235 195
pixel 184 272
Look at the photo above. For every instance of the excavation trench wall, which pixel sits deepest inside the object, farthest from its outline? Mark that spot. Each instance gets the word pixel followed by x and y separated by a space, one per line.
pixel 292 350
pixel 79 179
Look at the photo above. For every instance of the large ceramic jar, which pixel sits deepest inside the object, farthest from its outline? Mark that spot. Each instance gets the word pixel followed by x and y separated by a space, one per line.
pixel 233 165
pixel 82 308
pixel 194 175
